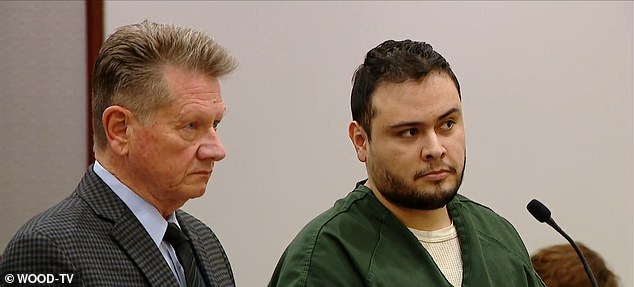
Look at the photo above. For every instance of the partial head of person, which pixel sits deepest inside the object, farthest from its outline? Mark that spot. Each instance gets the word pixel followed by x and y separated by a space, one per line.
pixel 560 266
pixel 407 124
pixel 155 110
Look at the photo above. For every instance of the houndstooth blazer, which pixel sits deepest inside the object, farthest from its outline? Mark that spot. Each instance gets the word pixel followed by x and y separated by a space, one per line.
pixel 95 237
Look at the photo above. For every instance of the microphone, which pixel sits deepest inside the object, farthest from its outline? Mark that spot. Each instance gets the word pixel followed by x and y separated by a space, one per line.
pixel 542 214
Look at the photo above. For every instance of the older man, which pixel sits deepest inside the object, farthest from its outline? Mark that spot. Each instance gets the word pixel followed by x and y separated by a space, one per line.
pixel 156 107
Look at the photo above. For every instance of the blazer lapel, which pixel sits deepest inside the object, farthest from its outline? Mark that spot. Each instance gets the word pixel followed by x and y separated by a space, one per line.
pixel 141 249
pixel 127 231
pixel 200 250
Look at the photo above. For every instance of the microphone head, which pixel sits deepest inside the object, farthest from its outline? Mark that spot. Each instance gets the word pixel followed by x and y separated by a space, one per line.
pixel 538 210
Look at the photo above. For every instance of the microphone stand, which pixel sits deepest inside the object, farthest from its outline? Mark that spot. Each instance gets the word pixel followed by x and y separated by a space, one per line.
pixel 554 225
pixel 542 214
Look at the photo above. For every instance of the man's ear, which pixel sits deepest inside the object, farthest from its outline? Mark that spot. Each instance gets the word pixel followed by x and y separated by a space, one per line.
pixel 116 121
pixel 359 139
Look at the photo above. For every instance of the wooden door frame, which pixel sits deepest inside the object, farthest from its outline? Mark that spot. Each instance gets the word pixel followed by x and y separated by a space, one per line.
pixel 94 39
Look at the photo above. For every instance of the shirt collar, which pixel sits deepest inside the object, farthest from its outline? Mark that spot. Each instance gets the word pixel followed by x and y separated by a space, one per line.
pixel 146 213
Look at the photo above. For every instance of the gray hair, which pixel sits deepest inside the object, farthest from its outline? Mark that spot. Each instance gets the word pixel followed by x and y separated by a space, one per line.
pixel 129 68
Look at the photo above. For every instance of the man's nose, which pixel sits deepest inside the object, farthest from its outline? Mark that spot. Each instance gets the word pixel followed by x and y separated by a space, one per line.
pixel 211 147
pixel 432 148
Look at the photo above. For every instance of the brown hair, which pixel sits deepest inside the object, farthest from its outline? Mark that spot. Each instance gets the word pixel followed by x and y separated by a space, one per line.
pixel 129 68
pixel 559 266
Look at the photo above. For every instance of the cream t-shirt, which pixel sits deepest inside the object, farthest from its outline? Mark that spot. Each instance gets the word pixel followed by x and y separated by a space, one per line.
pixel 444 248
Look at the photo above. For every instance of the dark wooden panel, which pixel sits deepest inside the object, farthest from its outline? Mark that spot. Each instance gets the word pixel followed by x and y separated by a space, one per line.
pixel 94 38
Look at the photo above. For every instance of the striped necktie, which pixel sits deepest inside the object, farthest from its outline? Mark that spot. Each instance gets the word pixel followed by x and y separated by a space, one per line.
pixel 185 255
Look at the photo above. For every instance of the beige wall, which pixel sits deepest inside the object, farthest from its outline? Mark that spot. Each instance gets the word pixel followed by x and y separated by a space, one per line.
pixel 547 93
pixel 42 107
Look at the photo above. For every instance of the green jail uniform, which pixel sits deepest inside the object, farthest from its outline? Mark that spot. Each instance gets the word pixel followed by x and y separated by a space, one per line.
pixel 358 242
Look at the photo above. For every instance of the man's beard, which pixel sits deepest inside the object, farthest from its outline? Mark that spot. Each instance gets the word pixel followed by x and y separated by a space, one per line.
pixel 398 192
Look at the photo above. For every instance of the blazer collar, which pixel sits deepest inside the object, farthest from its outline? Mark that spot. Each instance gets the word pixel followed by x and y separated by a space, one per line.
pixel 201 250
pixel 126 230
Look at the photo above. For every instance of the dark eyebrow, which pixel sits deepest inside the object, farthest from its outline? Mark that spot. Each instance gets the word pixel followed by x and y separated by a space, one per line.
pixel 448 113
pixel 416 123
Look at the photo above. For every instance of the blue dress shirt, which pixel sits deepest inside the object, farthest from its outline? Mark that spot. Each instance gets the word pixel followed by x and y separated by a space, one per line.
pixel 148 215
